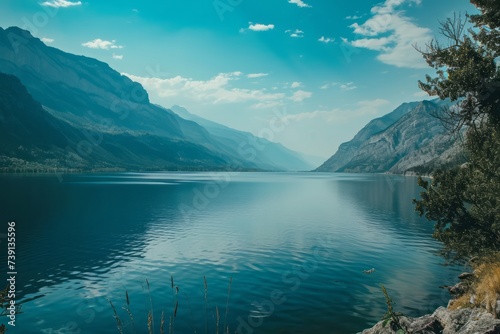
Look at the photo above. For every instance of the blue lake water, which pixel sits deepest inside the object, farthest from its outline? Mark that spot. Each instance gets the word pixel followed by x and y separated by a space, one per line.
pixel 294 244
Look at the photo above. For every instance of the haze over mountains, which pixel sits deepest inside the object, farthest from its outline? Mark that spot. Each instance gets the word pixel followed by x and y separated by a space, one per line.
pixel 273 155
pixel 59 110
pixel 106 120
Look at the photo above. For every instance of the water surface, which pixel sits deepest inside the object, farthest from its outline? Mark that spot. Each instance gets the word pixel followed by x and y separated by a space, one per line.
pixel 295 246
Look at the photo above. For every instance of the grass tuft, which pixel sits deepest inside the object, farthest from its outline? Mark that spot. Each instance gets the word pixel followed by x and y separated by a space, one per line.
pixel 484 290
pixel 127 308
pixel 162 323
pixel 150 323
pixel 119 323
pixel 227 303
pixel 215 312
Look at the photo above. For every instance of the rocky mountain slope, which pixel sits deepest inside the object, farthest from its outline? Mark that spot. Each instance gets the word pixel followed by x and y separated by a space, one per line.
pixel 409 139
pixel 91 97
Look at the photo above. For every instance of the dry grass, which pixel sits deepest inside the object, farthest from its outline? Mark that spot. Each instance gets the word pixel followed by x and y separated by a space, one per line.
pixel 484 290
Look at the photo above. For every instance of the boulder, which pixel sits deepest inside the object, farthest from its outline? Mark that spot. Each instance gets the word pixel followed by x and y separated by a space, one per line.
pixel 466 276
pixel 445 321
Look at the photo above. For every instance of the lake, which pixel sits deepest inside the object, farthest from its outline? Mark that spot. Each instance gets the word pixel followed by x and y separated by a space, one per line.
pixel 281 252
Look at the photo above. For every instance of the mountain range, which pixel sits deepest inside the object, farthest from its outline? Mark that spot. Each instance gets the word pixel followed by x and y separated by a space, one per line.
pixel 88 116
pixel 59 110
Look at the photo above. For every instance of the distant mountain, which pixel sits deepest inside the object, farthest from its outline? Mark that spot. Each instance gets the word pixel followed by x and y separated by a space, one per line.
pixel 409 139
pixel 264 153
pixel 88 98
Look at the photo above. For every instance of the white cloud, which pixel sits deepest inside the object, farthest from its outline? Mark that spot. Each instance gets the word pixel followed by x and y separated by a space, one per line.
pixel 102 44
pixel 377 44
pixel 61 3
pixel 215 90
pixel 329 84
pixel 297 33
pixel 118 57
pixel 296 84
pixel 326 40
pixel 362 108
pixel 267 104
pixel 47 40
pixel 393 34
pixel 353 17
pixel 300 95
pixel 347 87
pixel 299 3
pixel 260 27
pixel 257 75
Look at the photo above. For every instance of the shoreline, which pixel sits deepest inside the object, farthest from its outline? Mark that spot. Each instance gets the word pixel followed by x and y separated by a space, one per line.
pixel 443 320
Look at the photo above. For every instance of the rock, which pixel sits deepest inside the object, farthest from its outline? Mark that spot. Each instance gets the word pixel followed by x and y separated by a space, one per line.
pixel 445 321
pixel 425 325
pixel 466 276
pixel 458 289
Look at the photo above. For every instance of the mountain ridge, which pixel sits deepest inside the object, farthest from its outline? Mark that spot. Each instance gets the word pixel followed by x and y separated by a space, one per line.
pixel 408 140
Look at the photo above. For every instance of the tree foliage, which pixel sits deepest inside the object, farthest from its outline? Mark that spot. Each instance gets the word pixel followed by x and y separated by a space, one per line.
pixel 465 201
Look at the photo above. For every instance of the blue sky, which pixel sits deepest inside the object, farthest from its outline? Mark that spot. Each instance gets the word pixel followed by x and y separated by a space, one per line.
pixel 323 69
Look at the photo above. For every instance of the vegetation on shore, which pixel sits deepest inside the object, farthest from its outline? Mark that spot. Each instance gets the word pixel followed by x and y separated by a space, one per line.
pixel 483 288
pixel 464 202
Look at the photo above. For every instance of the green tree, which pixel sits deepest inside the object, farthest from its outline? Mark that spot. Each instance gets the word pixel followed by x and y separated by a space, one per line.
pixel 465 201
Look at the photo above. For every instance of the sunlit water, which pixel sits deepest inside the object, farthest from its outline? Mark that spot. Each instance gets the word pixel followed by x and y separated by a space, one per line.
pixel 295 246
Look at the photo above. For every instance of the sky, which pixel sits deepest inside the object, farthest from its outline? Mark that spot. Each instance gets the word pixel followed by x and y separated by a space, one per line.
pixel 305 73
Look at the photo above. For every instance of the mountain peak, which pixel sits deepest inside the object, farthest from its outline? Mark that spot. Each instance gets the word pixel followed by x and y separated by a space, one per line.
pixel 19 31
pixel 406 139
pixel 32 61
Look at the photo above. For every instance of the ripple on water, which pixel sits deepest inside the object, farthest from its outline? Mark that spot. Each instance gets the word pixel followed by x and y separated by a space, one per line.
pixel 302 239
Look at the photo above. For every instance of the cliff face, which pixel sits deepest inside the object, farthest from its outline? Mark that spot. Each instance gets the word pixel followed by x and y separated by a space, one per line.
pixel 408 139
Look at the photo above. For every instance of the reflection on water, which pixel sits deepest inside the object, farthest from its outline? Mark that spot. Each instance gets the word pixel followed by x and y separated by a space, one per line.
pixel 295 245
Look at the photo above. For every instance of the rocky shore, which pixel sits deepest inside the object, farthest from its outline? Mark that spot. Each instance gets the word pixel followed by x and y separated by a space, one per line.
pixel 465 320
pixel 445 321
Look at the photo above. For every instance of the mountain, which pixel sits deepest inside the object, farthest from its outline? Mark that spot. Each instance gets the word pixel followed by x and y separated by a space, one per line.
pixel 26 130
pixel 263 152
pixel 409 139
pixel 32 139
pixel 91 99
pixel 348 150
